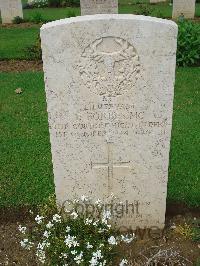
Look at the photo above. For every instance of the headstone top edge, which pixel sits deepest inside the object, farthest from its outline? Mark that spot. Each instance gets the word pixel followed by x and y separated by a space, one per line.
pixel 97 17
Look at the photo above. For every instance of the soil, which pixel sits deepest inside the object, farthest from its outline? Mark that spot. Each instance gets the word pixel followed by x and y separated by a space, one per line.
pixel 21 25
pixel 20 66
pixel 149 245
pixel 11 252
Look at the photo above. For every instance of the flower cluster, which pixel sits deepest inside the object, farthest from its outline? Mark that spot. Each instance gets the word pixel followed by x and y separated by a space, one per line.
pixel 96 259
pixel 38 3
pixel 39 219
pixel 70 238
pixel 25 243
pixel 22 229
pixel 123 262
pixel 71 241
pixel 40 251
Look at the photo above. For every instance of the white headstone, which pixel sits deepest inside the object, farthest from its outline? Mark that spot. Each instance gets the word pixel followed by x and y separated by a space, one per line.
pixel 157 1
pixel 10 9
pixel 109 87
pixel 184 8
pixel 91 7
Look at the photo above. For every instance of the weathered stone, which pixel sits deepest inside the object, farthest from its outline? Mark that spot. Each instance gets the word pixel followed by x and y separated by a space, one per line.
pixel 91 7
pixel 109 87
pixel 184 8
pixel 10 9
pixel 157 1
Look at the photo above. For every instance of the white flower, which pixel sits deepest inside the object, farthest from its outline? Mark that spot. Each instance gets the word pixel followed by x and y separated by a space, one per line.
pixel 104 221
pixel 78 258
pixel 112 240
pixel 123 262
pixel 46 234
pixel 57 218
pixel 98 254
pixel 49 225
pixel 75 244
pixel 70 241
pixel 41 255
pixel 64 255
pixel 84 198
pixel 25 243
pixel 98 202
pixel 41 246
pixel 106 216
pixel 95 257
pixel 39 219
pixel 95 223
pixel 93 261
pixel 22 229
pixel 173 226
pixel 127 239
pixel 73 252
pixel 101 230
pixel 74 215
pixel 68 229
pixel 89 245
pixel 88 221
pixel 47 244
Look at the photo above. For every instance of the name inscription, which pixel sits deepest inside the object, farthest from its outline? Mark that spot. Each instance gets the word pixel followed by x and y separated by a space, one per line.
pixel 97 120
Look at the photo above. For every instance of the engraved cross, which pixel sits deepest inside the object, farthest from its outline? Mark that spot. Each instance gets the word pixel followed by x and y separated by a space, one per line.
pixel 110 164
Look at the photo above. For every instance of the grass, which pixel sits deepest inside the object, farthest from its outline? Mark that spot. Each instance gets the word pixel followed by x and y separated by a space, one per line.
pixel 50 13
pixel 26 169
pixel 162 10
pixel 15 40
pixel 184 181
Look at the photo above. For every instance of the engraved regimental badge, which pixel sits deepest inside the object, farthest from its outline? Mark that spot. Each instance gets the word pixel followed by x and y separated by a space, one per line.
pixel 109 66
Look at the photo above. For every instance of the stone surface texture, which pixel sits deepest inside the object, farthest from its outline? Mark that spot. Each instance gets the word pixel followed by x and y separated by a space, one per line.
pixel 110 87
pixel 10 9
pixel 184 8
pixel 157 1
pixel 91 7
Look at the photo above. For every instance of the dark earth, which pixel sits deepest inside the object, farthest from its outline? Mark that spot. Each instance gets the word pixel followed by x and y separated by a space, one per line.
pixel 20 66
pixel 148 247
